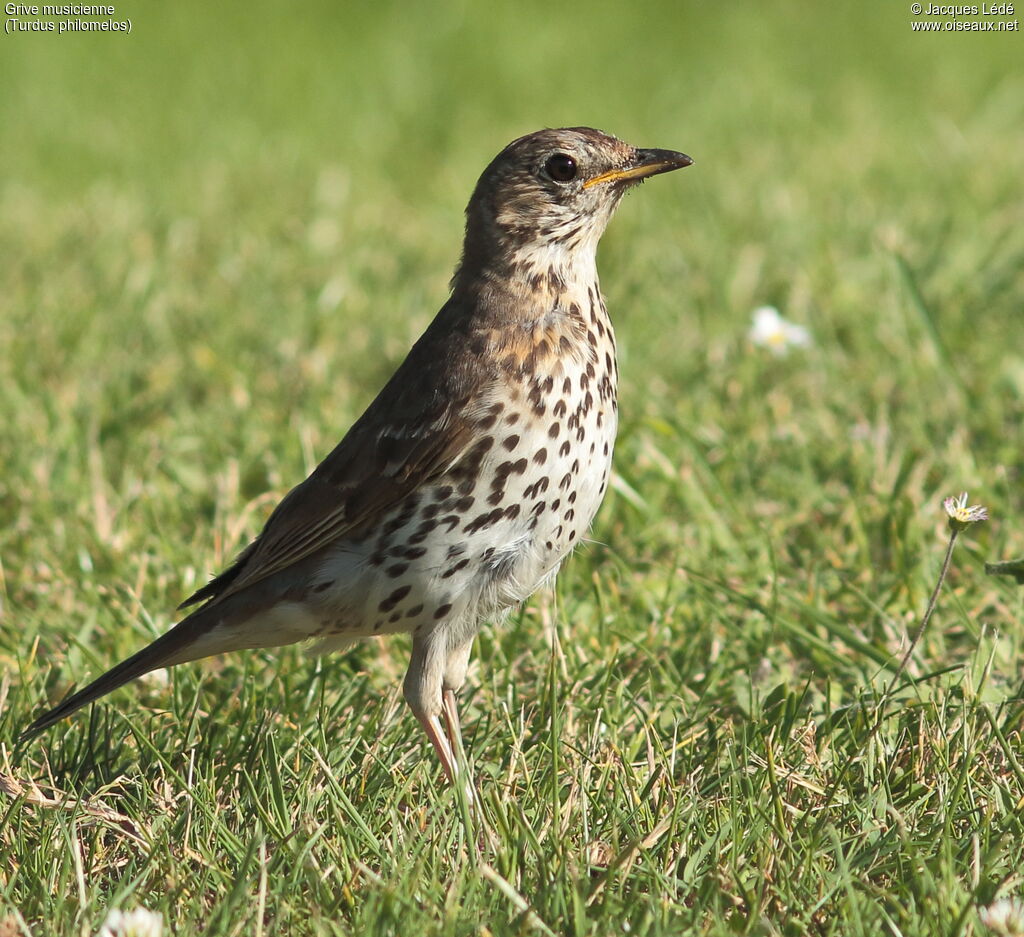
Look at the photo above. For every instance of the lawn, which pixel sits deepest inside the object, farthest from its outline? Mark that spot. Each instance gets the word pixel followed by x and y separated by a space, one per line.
pixel 220 233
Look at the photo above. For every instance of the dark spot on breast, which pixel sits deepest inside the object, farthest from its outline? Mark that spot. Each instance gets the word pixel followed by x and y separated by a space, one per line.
pixel 540 456
pixel 570 514
pixel 563 450
pixel 572 498
pixel 422 531
pixel 567 386
pixel 452 570
pixel 395 616
pixel 414 611
pixel 566 481
pixel 496 497
pixel 538 487
pixel 539 508
pixel 511 442
pixel 564 345
pixel 394 525
pixel 554 429
pixel 560 408
pixel 510 468
pixel 395 571
pixel 483 520
pixel 463 504
pixel 392 600
pixel 512 511
pixel 322 586
pixel 452 521
pixel 442 610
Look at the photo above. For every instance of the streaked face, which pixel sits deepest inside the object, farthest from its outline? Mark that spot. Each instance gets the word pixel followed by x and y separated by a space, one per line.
pixel 562 186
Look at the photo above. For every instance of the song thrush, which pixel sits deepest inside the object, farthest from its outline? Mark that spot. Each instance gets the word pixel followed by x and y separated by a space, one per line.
pixel 476 469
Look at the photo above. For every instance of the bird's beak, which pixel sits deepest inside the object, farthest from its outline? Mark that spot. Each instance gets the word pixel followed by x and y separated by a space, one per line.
pixel 645 163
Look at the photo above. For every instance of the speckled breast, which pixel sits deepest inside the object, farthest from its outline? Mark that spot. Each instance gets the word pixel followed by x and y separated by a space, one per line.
pixel 501 519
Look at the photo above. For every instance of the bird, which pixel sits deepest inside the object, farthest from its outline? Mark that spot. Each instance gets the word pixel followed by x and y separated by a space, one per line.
pixel 474 472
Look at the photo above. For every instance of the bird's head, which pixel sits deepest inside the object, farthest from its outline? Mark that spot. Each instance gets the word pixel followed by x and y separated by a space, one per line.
pixel 547 197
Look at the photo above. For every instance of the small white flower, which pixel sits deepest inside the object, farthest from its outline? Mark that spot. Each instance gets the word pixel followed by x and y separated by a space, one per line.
pixel 137 923
pixel 960 515
pixel 1005 917
pixel 773 332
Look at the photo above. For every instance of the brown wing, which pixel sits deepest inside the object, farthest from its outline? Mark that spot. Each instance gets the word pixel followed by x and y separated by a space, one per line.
pixel 420 424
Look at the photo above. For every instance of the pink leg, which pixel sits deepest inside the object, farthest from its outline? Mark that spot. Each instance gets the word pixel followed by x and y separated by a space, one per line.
pixel 432 726
pixel 450 706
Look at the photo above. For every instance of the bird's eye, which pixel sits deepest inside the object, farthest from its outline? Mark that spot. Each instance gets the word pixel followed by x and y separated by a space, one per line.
pixel 561 167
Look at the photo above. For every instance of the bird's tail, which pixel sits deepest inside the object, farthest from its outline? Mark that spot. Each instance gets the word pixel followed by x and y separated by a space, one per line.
pixel 175 647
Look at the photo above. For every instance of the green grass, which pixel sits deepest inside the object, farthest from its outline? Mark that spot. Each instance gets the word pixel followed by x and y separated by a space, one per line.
pixel 219 235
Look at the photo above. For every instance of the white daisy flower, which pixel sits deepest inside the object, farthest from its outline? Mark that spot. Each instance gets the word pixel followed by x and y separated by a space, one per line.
pixel 1005 916
pixel 137 923
pixel 960 515
pixel 775 333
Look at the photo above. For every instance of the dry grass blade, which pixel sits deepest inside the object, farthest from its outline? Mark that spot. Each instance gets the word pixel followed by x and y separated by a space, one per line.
pixel 30 793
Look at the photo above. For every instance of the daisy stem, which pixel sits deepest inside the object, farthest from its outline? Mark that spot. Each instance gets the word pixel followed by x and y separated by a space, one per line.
pixel 927 614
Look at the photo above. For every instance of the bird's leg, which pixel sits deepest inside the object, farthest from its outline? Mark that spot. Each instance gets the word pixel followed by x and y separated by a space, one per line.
pixel 435 732
pixel 454 678
pixel 422 688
